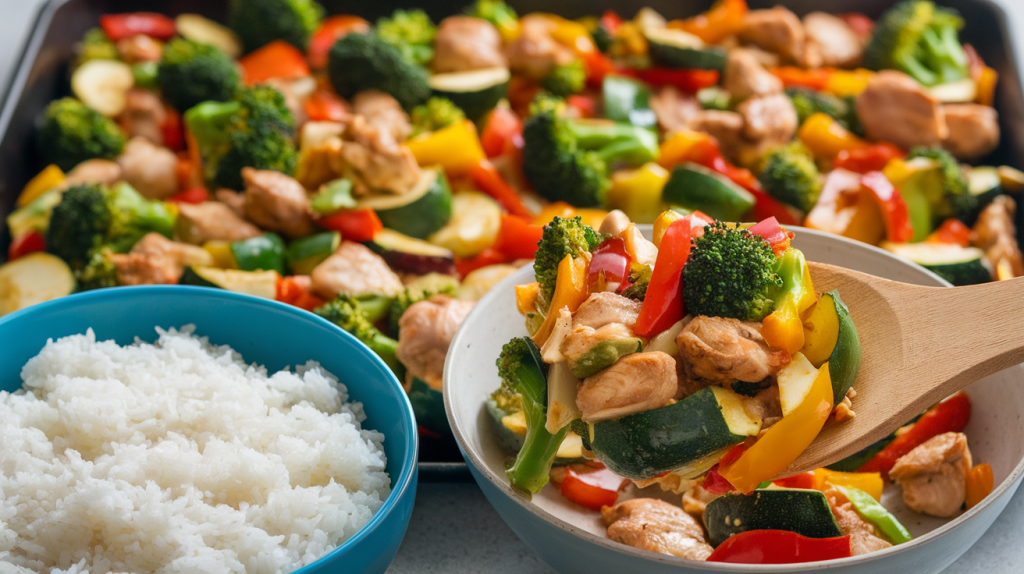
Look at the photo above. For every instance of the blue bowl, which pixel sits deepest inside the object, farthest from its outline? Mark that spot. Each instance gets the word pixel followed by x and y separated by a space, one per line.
pixel 265 332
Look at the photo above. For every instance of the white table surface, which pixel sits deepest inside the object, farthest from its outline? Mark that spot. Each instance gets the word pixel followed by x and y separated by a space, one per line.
pixel 454 529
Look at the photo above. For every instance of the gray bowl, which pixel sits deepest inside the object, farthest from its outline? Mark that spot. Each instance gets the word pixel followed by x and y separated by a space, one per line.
pixel 572 539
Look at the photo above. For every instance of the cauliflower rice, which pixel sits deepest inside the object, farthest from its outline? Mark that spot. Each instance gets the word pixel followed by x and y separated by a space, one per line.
pixel 179 457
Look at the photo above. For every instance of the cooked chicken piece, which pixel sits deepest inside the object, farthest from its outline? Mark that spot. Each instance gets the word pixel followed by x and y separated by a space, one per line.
pixel 895 108
pixel 614 223
pixel 775 30
pixel 101 171
pixel 745 76
pixel 933 475
pixel 863 536
pixel 424 333
pixel 145 269
pixel 210 220
pixel 657 526
pixel 151 169
pixel 354 270
pixel 182 254
pixel 535 52
pixel 996 235
pixel 384 112
pixel 276 202
pixel 973 130
pixel 771 118
pixel 722 349
pixel 582 339
pixel 377 161
pixel 319 162
pixel 464 43
pixel 143 115
pixel 838 44
pixel 232 199
pixel 551 352
pixel 766 405
pixel 601 309
pixel 676 111
pixel 635 383
pixel 695 501
pixel 139 48
pixel 724 126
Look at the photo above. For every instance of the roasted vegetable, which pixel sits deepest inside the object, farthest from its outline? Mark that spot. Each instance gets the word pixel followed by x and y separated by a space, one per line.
pixel 360 62
pixel 191 73
pixel 561 237
pixel 72 133
pixel 259 22
pixel 919 38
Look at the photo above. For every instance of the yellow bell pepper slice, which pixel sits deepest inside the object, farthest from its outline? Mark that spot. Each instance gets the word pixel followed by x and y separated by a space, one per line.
pixel 661 225
pixel 821 332
pixel 826 138
pixel 869 482
pixel 782 443
pixel 848 82
pixel 221 253
pixel 455 148
pixel 571 34
pixel 784 328
pixel 678 147
pixel 526 297
pixel 44 181
pixel 637 192
pixel 590 216
pixel 570 291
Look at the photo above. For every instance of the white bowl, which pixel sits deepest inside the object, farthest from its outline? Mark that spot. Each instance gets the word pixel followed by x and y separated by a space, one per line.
pixel 572 539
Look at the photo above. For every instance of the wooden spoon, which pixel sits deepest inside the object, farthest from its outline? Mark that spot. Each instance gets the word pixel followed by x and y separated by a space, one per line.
pixel 919 345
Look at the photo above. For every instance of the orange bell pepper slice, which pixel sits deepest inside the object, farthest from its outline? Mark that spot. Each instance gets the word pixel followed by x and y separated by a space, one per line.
pixel 979 484
pixel 724 19
pixel 278 59
pixel 570 291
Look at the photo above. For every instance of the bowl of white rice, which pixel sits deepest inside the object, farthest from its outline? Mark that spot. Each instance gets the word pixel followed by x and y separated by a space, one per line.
pixel 183 429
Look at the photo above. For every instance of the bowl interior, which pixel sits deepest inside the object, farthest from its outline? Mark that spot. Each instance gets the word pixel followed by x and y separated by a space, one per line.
pixel 470 376
pixel 265 332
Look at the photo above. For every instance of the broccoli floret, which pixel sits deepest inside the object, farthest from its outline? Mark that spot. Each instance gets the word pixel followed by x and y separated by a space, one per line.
pixel 95 45
pixel 808 102
pixel 567 160
pixel 496 12
pixel 72 132
pixel 730 273
pixel 565 80
pixel 360 62
pixel 522 372
pixel 98 273
pixel 956 198
pixel 411 32
pixel 259 22
pixel 435 114
pixel 253 130
pixel 639 279
pixel 561 237
pixel 790 175
pixel 191 73
pixel 920 39
pixel 345 312
pixel 421 289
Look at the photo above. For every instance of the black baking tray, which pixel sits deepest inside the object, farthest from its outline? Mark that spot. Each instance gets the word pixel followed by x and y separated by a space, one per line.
pixel 41 74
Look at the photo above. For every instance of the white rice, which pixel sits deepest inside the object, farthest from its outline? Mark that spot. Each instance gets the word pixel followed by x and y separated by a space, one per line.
pixel 179 457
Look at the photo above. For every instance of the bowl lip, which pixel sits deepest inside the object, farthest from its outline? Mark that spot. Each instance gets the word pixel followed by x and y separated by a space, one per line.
pixel 401 487
pixel 474 460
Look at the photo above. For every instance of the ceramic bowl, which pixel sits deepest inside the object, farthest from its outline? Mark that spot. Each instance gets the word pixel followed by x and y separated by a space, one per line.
pixel 265 332
pixel 572 539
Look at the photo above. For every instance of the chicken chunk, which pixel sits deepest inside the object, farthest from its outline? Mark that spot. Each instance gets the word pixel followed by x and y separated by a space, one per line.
pixel 101 171
pixel 864 538
pixel 211 221
pixel 143 116
pixel 769 119
pixel 722 349
pixel 582 339
pixel 151 169
pixel 775 30
pixel 973 130
pixel 465 43
pixel 676 111
pixel 383 112
pixel 276 202
pixel 603 308
pixel 996 235
pixel 139 48
pixel 156 260
pixel 354 270
pixel 837 43
pixel 657 526
pixel 744 76
pixel 374 161
pixel 424 333
pixel 232 199
pixel 934 475
pixel 534 53
pixel 895 108
pixel 635 383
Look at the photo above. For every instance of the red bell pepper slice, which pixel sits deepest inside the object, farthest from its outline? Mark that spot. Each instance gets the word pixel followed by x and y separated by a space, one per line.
pixel 611 22
pixel 518 237
pixel 802 480
pixel 121 26
pixel 863 160
pixel 951 415
pixel 597 66
pixel 193 195
pixel 952 231
pixel 894 210
pixel 328 33
pixel 663 304
pixel 497 134
pixel 324 106
pixel 715 483
pixel 586 106
pixel 278 59
pixel 773 233
pixel 609 263
pixel 489 256
pixel 792 76
pixel 26 243
pixel 779 547
pixel 591 488
pixel 687 80
pixel 173 130
pixel 354 224
pixel 861 24
pixel 295 290
pixel 487 178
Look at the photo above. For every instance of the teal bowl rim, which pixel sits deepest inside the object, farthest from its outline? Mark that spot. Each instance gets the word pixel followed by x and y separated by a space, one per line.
pixel 399 488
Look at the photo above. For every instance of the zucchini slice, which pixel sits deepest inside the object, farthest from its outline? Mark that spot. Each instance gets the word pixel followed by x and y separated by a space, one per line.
pixel 306 253
pixel 830 335
pixel 428 406
pixel 103 85
pixel 404 253
pixel 695 187
pixel 678 49
pixel 797 510
pixel 984 183
pixel 258 283
pixel 956 264
pixel 34 278
pixel 475 91
pixel 474 225
pixel 422 211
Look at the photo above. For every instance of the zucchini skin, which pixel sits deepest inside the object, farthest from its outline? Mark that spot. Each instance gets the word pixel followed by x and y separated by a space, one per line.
pixel 695 187
pixel 797 510
pixel 706 58
pixel 844 362
pixel 424 215
pixel 971 272
pixel 476 104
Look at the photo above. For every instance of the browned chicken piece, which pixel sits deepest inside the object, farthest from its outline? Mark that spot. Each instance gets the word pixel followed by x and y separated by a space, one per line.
pixel 181 253
pixel 384 112
pixel 770 118
pixel 723 349
pixel 464 43
pixel 676 111
pixel 775 30
pixel 657 526
pixel 139 48
pixel 766 405
pixel 996 235
pixel 603 308
pixel 377 161
pixel 101 171
pixel 276 202
pixel 582 339
pixel 211 221
pixel 232 199
pixel 863 536
pixel 143 116
pixel 151 169
pixel 895 108
pixel 973 130
pixel 837 43
pixel 354 270
pixel 534 53
pixel 145 269
pixel 635 383
pixel 724 126
pixel 933 475
pixel 745 76
pixel 424 333
pixel 695 501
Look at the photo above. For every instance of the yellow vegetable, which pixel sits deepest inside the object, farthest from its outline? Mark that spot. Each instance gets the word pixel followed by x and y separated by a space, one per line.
pixel 474 226
pixel 821 331
pixel 637 192
pixel 661 225
pixel 848 82
pixel 49 178
pixel 220 251
pixel 590 216
pixel 455 148
pixel 570 291
pixel 826 138
pixel 869 482
pixel 526 297
pixel 679 146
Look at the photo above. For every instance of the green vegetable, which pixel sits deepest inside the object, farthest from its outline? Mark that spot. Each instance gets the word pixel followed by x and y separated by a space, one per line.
pixel 802 511
pixel 604 354
pixel 360 62
pixel 920 39
pixel 639 278
pixel 861 457
pixel 870 510
pixel 259 22
pixel 411 255
pixel 428 407
pixel 411 32
pixel 561 237
pixel 714 98
pixel 257 283
pixel 956 198
pixel 844 361
pixel 421 289
pixel 191 73
pixel 345 312
pixel 261 253
pixel 419 213
pixel 35 215
pixel 306 253
pixel 984 183
pixel 808 102
pixel 435 114
pixel 956 264
pixel 71 133
pixel 374 307
pixel 146 75
pixel 626 101
pixel 565 80
pixel 333 196
pixel 496 12
pixel 695 187
pixel 96 45
pixel 790 175
pixel 99 272
pixel 677 49
pixel 476 92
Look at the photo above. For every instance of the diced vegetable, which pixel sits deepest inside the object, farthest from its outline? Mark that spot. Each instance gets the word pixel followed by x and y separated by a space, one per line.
pixel 121 26
pixel 50 177
pixel 422 211
pixel 354 224
pixel 956 264
pixel 411 255
pixel 804 512
pixel 474 225
pixel 675 48
pixel 476 91
pixel 258 283
pixel 979 484
pixel 455 148
pixel 306 253
pixel 34 278
pixel 779 547
pixel 103 85
pixel 638 192
pixel 261 253
pixel 873 512
pixel 625 100
pixel 695 187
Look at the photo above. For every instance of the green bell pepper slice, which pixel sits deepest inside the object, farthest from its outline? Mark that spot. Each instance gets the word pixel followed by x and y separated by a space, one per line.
pixel 870 510
pixel 264 252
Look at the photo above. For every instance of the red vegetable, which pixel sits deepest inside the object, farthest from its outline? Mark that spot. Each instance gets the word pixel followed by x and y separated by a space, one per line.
pixel 894 210
pixel 779 547
pixel 120 26
pixel 609 263
pixel 278 59
pixel 597 66
pixel 26 243
pixel 354 224
pixel 518 237
pixel 611 21
pixel 295 290
pixel 193 195
pixel 173 130
pixel 863 160
pixel 325 106
pixel 489 256
pixel 330 30
pixel 663 304
pixel 952 231
pixel 502 126
pixel 773 233
pixel 860 23
pixel 802 480
pixel 487 178
pixel 685 79
pixel 591 488
pixel 798 77
pixel 715 483
pixel 585 105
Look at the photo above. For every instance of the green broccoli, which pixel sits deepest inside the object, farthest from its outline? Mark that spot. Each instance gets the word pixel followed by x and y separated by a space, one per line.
pixel 345 312
pixel 421 289
pixel 99 272
pixel 639 279
pixel 561 237
pixel 956 198
pixel 435 114
pixel 565 80
pixel 360 62
pixel 523 372
pixel 920 39
pixel 72 132
pixel 497 12
pixel 253 130
pixel 790 175
pixel 731 273
pixel 411 32
pixel 95 45
pixel 567 160
pixel 808 102
pixel 191 73
pixel 259 22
